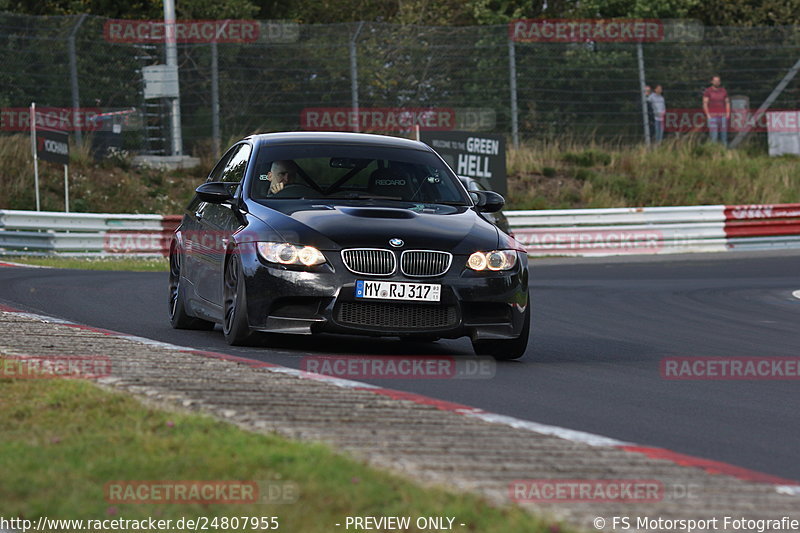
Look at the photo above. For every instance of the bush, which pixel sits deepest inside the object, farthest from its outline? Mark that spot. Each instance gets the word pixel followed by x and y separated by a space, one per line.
pixel 584 174
pixel 588 158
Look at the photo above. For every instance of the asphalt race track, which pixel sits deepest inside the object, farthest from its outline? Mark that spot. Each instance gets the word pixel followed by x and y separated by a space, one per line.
pixel 600 330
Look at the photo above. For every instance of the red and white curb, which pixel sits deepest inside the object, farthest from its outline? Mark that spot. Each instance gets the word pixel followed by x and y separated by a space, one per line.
pixel 781 485
pixel 23 265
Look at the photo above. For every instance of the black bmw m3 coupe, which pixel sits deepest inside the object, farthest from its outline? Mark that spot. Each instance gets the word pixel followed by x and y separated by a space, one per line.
pixel 348 233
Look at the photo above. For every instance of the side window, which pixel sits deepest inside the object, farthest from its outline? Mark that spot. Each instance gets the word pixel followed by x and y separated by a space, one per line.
pixel 237 164
pixel 216 174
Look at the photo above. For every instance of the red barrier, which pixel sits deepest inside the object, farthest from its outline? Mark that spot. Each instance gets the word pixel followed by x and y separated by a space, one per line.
pixel 169 223
pixel 767 211
pixel 762 228
pixel 762 220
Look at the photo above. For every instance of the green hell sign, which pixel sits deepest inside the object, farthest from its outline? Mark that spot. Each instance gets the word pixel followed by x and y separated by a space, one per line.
pixel 476 155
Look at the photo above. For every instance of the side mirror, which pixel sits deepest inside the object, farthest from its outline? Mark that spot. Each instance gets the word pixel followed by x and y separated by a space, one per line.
pixel 487 201
pixel 214 192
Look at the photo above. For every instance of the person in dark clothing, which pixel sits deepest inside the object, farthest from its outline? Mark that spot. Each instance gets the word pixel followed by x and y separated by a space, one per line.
pixel 651 117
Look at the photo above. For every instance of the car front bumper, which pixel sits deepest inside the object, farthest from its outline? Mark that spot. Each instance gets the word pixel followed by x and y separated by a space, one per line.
pixel 481 305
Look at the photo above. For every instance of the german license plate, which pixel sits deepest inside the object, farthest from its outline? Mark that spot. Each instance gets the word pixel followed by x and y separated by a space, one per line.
pixel 398 290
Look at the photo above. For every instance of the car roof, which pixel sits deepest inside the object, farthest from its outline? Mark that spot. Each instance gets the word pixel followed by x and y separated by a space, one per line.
pixel 317 137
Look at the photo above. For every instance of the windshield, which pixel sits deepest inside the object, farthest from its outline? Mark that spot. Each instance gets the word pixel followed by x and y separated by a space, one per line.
pixel 353 172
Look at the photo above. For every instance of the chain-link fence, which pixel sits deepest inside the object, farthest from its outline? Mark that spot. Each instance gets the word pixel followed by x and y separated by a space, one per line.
pixel 293 77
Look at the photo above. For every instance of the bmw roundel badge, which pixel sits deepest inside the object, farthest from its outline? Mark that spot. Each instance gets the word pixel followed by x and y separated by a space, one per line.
pixel 397 243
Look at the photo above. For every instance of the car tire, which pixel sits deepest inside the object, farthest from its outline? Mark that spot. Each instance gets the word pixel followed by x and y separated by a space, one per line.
pixel 178 316
pixel 507 349
pixel 235 325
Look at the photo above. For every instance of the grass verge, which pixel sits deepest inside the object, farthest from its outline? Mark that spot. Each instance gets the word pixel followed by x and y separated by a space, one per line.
pixel 111 185
pixel 685 171
pixel 556 174
pixel 62 440
pixel 134 264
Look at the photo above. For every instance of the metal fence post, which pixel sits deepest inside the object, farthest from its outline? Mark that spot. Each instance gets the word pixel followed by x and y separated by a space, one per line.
pixel 215 135
pixel 35 155
pixel 642 82
pixel 354 75
pixel 73 78
pixel 512 81
pixel 172 61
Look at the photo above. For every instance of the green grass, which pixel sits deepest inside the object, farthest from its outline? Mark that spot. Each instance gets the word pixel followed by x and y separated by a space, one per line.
pixel 112 185
pixel 62 440
pixel 686 171
pixel 136 264
pixel 541 175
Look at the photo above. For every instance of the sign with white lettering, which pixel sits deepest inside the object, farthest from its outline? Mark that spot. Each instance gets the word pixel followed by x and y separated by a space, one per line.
pixel 52 146
pixel 481 156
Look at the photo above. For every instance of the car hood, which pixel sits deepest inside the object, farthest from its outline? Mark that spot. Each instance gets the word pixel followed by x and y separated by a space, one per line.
pixel 331 226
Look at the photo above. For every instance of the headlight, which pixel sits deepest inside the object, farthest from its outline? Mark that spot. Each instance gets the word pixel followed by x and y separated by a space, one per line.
pixel 494 260
pixel 284 253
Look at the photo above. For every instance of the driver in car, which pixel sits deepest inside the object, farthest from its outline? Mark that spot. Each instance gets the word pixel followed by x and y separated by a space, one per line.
pixel 281 174
pixel 284 181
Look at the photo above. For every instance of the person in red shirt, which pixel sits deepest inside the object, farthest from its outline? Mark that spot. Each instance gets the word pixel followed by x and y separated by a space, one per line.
pixel 717 107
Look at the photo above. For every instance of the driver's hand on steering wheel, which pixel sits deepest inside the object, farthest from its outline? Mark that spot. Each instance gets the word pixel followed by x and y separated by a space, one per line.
pixel 276 186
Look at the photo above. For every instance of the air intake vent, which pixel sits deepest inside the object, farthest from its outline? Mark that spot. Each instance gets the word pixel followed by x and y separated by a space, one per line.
pixel 369 261
pixel 425 263
pixel 396 316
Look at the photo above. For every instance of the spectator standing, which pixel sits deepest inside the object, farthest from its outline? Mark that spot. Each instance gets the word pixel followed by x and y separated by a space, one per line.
pixel 717 107
pixel 659 107
pixel 650 115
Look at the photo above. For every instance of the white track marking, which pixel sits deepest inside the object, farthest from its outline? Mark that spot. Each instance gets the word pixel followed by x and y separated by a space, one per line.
pixel 556 431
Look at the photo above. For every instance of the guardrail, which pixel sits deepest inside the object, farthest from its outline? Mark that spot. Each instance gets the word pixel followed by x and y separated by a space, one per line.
pixel 99 233
pixel 589 232
pixel 657 230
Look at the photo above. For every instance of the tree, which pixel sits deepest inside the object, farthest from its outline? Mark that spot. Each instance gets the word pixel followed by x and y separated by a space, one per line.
pixel 133 9
pixel 748 12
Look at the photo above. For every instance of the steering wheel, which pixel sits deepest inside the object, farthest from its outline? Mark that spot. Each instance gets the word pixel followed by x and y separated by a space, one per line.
pixel 292 189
